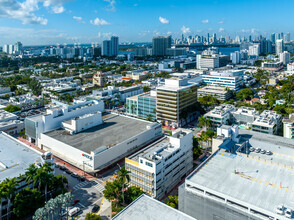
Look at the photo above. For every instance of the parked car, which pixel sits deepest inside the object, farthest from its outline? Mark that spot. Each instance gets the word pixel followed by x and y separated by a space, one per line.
pixel 280 209
pixel 269 152
pixel 95 208
pixel 74 211
pixel 75 202
pixel 57 165
pixel 252 149
pixel 257 150
pixel 62 168
pixel 262 151
pixel 74 175
pixel 68 171
pixel 288 213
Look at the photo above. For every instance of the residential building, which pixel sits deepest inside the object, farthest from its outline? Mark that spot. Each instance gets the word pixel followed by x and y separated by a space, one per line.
pixel 106 48
pixel 140 52
pixel 7 116
pixel 268 122
pixel 239 182
pixel 12 127
pixel 160 45
pixel 221 93
pixel 146 208
pixel 272 66
pixel 220 115
pixel 245 115
pixel 288 127
pixel 176 51
pixel 176 102
pixel 99 79
pixel 93 145
pixel 232 79
pixel 207 61
pixel 254 50
pixel 18 48
pixel 279 46
pixel 35 125
pixel 136 75
pixel 4 90
pixel 114 45
pixel 160 166
pixel 285 57
pixel 235 57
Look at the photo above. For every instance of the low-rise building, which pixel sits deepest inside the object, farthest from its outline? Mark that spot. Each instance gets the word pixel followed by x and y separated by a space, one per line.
pixel 99 79
pixel 245 115
pixel 146 208
pixel 220 115
pixel 268 122
pixel 94 144
pixel 232 79
pixel 132 105
pixel 218 92
pixel 147 105
pixel 272 66
pixel 157 168
pixel 248 177
pixel 288 127
pixel 12 127
pixel 7 116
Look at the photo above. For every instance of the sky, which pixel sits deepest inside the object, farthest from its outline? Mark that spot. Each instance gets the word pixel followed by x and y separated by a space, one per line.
pixel 41 22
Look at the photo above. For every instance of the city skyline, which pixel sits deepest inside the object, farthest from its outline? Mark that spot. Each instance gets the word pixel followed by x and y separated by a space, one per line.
pixel 36 22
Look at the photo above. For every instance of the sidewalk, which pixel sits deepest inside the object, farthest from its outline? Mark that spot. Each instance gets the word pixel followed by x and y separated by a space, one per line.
pixel 105 209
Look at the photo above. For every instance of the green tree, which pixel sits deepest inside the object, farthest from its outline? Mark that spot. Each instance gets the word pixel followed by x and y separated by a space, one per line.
pixel 124 178
pixel 173 201
pixel 9 187
pixel 196 148
pixel 27 201
pixel 30 173
pixel 132 193
pixel 92 216
pixel 204 122
pixel 12 108
pixel 245 94
pixel 146 88
pixel 113 190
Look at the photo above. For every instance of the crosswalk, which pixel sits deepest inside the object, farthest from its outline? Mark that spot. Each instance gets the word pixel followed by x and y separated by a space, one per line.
pixel 98 186
pixel 81 185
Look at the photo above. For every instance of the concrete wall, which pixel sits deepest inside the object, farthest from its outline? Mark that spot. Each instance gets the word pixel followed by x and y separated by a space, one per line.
pixel 119 151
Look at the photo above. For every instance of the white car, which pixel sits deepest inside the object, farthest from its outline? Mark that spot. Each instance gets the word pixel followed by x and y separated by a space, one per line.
pixel 280 209
pixel 288 213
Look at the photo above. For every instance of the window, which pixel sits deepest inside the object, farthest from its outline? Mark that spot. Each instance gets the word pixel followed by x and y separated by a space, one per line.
pixel 149 164
pixel 141 161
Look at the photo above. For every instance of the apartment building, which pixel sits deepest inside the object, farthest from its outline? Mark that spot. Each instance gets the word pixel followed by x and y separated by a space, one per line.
pixel 232 79
pixel 245 115
pixel 157 168
pixel 268 122
pixel 220 115
pixel 176 102
pixel 288 127
pixel 221 93
pixel 132 105
pixel 99 79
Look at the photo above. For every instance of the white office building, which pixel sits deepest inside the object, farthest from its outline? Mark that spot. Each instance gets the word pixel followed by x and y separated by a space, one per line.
pixel 232 79
pixel 279 46
pixel 207 62
pixel 235 57
pixel 54 117
pixel 220 115
pixel 288 127
pixel 157 168
pixel 285 57
pixel 254 50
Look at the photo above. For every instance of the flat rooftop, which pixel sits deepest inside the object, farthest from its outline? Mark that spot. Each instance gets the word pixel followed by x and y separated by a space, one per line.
pixel 114 130
pixel 261 181
pixel 15 157
pixel 147 208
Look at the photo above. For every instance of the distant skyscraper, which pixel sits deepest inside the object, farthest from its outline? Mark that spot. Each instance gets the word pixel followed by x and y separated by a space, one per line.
pixel 285 57
pixel 110 47
pixel 114 45
pixel 287 38
pixel 160 44
pixel 18 47
pixel 273 38
pixel 254 50
pixel 214 37
pixel 11 49
pixel 6 48
pixel 279 46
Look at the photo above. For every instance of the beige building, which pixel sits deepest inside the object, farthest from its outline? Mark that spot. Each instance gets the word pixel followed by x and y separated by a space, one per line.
pixel 176 102
pixel 99 79
pixel 136 75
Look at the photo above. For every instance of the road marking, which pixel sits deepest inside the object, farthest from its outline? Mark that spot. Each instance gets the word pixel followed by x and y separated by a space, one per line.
pixel 82 205
pixel 80 185
pixel 98 186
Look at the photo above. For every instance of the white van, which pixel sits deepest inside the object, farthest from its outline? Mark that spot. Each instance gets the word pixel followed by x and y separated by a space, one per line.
pixel 73 211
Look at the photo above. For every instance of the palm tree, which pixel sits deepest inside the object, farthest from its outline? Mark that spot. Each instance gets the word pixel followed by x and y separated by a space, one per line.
pixel 204 122
pixel 123 176
pixel 8 188
pixel 1 197
pixel 30 173
pixel 43 178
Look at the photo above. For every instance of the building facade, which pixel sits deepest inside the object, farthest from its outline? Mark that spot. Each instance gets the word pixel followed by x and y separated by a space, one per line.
pixel 268 122
pixel 159 167
pixel 160 45
pixel 288 127
pixel 218 92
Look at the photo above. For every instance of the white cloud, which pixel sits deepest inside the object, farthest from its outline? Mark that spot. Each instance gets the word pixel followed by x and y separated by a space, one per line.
pixel 205 21
pixel 111 6
pixel 221 22
pixel 136 5
pixel 78 19
pixel 221 29
pixel 99 22
pixel 185 30
pixel 58 9
pixel 163 20
pixel 22 11
pixel 169 33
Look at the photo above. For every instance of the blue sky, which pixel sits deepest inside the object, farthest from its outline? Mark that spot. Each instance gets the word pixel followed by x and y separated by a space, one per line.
pixel 85 21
